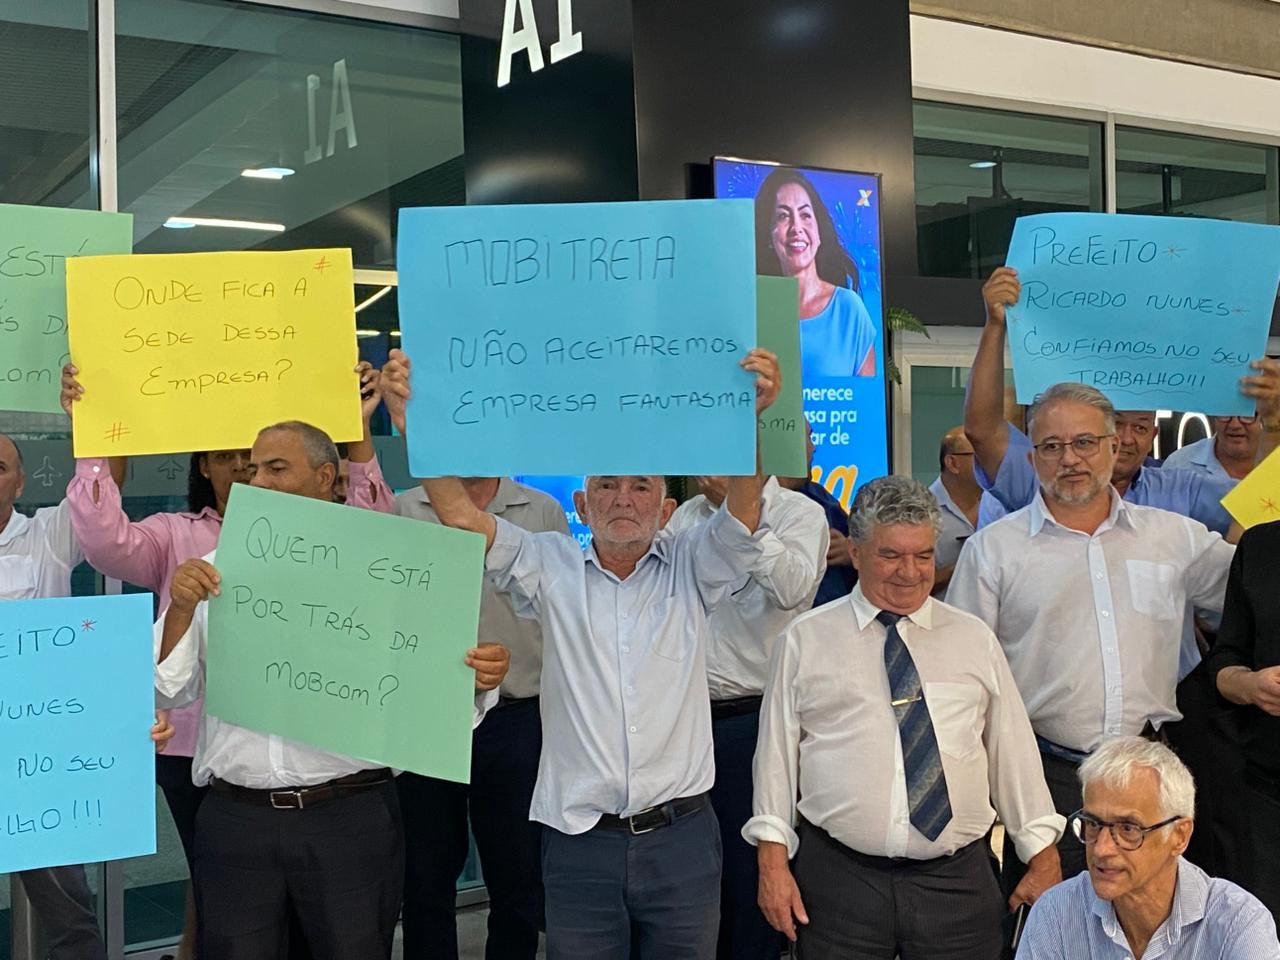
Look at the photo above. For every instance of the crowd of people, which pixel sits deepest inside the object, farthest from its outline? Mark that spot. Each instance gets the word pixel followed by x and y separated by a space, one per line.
pixel 752 722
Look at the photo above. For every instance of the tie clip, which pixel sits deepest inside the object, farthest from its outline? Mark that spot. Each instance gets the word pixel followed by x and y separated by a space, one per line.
pixel 903 702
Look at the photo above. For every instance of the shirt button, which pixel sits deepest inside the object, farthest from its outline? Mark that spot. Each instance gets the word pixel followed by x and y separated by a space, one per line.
pixel 632 729
pixel 1099 576
pixel 1106 613
pixel 630 689
pixel 97 469
pixel 626 649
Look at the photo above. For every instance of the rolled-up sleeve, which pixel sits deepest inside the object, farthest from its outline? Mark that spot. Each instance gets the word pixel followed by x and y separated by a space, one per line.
pixel 1014 770
pixel 793 555
pixel 116 546
pixel 723 551
pixel 179 679
pixel 367 488
pixel 485 702
pixel 776 768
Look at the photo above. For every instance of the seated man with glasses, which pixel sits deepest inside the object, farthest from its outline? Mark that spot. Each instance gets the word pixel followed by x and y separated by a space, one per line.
pixel 1086 593
pixel 1140 898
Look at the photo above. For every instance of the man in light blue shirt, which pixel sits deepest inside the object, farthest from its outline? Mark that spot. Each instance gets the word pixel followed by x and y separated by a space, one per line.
pixel 632 851
pixel 1227 456
pixel 1140 898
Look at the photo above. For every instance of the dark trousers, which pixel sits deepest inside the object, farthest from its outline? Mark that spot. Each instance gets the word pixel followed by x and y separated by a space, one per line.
pixel 1262 805
pixel 874 908
pixel 1064 788
pixel 339 866
pixel 64 905
pixel 1207 739
pixel 744 932
pixel 173 775
pixel 615 896
pixel 504 768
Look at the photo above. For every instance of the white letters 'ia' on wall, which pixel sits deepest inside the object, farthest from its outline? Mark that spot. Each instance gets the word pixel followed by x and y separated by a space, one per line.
pixel 526 38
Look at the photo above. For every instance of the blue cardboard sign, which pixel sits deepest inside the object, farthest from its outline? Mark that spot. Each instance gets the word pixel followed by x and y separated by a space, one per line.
pixel 579 338
pixel 77 700
pixel 1153 311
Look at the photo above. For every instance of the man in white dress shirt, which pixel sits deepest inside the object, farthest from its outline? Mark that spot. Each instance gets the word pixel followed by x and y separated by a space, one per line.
pixel 286 828
pixel 1087 592
pixel 630 851
pixel 958 494
pixel 779 587
pixel 891 726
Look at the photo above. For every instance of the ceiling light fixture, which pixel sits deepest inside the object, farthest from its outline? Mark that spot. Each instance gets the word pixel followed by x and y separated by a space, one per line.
pixel 373 299
pixel 982 164
pixel 184 223
pixel 364 332
pixel 267 173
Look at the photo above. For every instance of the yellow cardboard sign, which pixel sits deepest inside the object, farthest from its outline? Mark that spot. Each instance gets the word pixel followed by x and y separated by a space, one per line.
pixel 1256 498
pixel 199 351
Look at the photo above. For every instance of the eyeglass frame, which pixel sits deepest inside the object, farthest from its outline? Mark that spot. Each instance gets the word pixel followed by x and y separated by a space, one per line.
pixel 1087 437
pixel 1244 421
pixel 1081 817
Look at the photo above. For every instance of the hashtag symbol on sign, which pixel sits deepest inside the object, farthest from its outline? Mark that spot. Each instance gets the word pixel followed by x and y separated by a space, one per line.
pixel 116 431
pixel 322 264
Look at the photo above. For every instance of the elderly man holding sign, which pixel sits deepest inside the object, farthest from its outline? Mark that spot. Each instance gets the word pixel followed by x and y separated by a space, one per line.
pixel 285 826
pixel 632 849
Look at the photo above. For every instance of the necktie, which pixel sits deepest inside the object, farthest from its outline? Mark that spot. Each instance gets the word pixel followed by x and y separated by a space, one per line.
pixel 927 797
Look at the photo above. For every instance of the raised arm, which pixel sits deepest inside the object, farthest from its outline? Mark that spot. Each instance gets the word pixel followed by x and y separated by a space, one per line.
pixel 366 487
pixel 984 422
pixel 744 494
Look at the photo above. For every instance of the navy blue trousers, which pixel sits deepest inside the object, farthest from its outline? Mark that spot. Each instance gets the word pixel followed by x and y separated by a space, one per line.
pixel 744 932
pixel 504 768
pixel 615 896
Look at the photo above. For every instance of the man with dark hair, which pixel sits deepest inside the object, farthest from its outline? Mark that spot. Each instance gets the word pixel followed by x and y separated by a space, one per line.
pixel 958 496
pixel 286 827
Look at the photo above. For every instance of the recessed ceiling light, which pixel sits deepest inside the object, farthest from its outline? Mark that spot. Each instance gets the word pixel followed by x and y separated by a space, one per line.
pixel 183 223
pixel 365 332
pixel 982 164
pixel 267 173
pixel 395 333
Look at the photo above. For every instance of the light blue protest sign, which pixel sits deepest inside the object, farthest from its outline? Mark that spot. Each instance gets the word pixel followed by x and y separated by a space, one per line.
pixel 579 338
pixel 1153 311
pixel 77 700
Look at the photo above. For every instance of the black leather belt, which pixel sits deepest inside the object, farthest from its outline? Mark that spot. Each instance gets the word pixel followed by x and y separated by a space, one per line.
pixel 299 798
pixel 663 815
pixel 735 707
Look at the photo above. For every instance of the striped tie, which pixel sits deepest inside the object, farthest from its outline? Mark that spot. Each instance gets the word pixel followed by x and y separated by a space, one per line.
pixel 926 784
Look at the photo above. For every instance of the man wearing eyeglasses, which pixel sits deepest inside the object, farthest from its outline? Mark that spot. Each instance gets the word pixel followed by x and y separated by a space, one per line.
pixel 958 494
pixel 1086 593
pixel 1140 898
pixel 1228 455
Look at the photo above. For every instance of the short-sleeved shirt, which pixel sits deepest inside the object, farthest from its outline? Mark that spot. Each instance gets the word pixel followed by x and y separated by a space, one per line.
pixel 836 342
pixel 956 527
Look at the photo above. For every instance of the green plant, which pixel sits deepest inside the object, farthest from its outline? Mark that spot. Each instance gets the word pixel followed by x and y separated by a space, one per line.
pixel 901 320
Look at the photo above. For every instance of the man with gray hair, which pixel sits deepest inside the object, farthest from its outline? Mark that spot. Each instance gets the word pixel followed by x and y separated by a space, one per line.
pixel 1086 592
pixel 891 726
pixel 1140 898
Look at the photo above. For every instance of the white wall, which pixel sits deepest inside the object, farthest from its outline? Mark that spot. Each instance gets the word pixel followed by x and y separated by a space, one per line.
pixel 952 60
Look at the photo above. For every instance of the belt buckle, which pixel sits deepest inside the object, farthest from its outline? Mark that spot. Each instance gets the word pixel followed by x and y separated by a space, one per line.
pixel 294 799
pixel 666 819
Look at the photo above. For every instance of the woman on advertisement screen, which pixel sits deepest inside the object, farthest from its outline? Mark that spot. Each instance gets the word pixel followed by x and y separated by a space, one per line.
pixel 795 237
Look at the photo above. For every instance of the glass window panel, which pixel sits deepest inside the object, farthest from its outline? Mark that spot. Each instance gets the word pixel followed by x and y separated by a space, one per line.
pixel 46 111
pixel 368 117
pixel 979 170
pixel 1172 174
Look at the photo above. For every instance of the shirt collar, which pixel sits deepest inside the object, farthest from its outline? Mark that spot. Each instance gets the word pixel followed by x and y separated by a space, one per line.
pixel 1121 513
pixel 864 611
pixel 1190 900
pixel 943 496
pixel 16 526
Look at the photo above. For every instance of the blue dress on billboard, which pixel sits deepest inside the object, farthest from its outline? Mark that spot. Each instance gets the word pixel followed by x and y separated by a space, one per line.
pixel 836 342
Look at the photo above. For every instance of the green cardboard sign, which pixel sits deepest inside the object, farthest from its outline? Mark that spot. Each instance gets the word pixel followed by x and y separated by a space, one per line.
pixel 346 629
pixel 783 428
pixel 34 245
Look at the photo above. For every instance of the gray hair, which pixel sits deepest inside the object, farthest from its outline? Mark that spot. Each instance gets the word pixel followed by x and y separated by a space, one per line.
pixel 1073 393
pixel 1113 764
pixel 889 500
pixel 319 447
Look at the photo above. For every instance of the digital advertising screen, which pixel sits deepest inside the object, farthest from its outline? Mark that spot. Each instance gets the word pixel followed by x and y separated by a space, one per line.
pixel 823 228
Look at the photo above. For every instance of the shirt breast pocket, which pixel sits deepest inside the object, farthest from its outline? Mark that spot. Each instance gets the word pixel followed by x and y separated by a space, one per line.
pixel 1152 587
pixel 17 578
pixel 957 711
pixel 671 636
